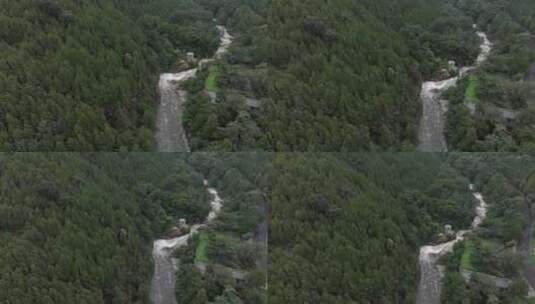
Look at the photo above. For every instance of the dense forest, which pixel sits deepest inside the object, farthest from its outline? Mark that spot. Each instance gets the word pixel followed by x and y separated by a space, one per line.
pixel 78 228
pixel 346 228
pixel 82 76
pixel 345 79
pixel 349 78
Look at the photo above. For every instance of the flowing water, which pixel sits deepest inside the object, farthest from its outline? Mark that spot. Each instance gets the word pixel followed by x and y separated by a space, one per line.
pixel 165 266
pixel 170 134
pixel 431 133
pixel 431 273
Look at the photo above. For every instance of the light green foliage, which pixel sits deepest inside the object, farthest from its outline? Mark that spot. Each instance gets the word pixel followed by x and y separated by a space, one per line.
pixel 200 253
pixel 471 94
pixel 211 80
pixel 78 228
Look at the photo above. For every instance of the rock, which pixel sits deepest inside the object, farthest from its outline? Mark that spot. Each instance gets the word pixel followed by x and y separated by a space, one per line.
pixel 448 231
pixel 175 232
pixel 452 67
pixel 253 103
pixel 319 29
pixel 182 66
pixel 444 74
pixel 442 238
pixel 213 96
pixel 122 235
pixel 51 7
pixel 247 236
pixel 190 57
pixel 530 74
pixel 510 244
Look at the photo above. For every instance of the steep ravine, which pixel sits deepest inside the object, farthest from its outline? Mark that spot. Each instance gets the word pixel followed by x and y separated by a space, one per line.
pixel 165 266
pixel 431 273
pixel 170 134
pixel 431 133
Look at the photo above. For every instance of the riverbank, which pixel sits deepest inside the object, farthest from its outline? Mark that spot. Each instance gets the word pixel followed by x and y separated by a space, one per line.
pixel 431 273
pixel 431 135
pixel 165 265
pixel 171 135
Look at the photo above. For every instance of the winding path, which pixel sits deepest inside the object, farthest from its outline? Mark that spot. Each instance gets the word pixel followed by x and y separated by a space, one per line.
pixel 431 273
pixel 163 280
pixel 431 133
pixel 170 134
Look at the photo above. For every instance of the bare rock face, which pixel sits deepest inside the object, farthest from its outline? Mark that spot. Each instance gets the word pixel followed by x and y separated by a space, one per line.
pixel 530 75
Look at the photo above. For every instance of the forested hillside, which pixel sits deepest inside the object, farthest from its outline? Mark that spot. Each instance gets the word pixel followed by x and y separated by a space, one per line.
pixel 79 228
pixel 83 75
pixel 347 74
pixel 328 76
pixel 345 228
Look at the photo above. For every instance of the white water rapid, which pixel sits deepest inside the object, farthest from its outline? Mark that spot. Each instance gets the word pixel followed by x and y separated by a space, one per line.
pixel 431 273
pixel 165 266
pixel 170 134
pixel 431 133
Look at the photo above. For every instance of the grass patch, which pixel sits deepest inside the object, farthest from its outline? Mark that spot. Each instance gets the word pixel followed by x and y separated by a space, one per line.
pixel 201 252
pixel 466 259
pixel 211 81
pixel 470 93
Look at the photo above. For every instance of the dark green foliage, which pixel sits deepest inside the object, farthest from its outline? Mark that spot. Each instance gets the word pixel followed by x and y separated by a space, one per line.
pixel 83 76
pixel 74 77
pixel 501 88
pixel 229 124
pixel 237 239
pixel 349 78
pixel 345 79
pixel 504 180
pixel 345 228
pixel 79 228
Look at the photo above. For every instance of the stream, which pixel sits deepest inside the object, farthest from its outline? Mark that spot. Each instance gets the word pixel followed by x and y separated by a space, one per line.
pixel 431 133
pixel 165 266
pixel 431 273
pixel 170 134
